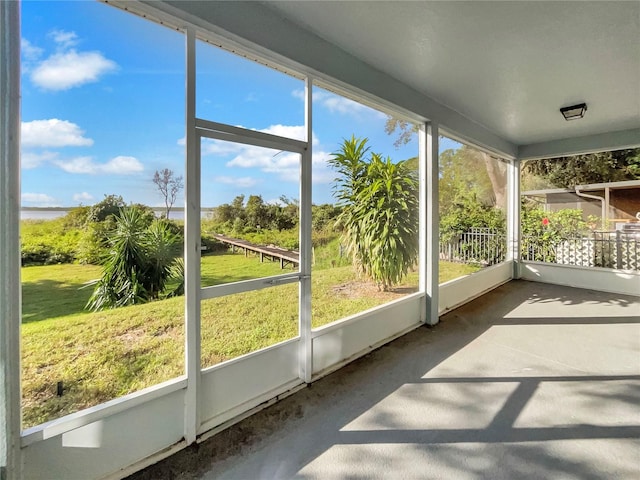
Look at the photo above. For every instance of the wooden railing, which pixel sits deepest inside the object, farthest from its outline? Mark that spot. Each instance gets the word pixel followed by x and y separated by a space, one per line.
pixel 272 253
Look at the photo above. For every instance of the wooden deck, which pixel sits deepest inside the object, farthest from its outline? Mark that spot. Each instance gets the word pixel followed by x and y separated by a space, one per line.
pixel 272 253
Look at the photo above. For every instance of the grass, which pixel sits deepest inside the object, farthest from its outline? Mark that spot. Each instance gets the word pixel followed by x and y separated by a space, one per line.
pixel 102 355
pixel 218 269
pixel 55 291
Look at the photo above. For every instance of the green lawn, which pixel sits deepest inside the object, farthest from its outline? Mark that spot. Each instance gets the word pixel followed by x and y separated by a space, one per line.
pixel 102 355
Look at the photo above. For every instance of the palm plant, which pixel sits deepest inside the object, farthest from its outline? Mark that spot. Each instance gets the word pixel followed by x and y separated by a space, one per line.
pixel 351 165
pixel 139 261
pixel 162 248
pixel 380 212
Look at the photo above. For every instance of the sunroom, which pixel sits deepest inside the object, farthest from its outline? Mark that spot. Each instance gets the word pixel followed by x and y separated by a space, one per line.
pixel 470 92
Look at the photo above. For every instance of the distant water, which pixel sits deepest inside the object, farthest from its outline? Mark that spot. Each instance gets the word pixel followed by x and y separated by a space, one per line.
pixel 51 214
pixel 26 214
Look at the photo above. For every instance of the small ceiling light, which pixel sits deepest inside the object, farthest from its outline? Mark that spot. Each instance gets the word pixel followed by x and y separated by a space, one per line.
pixel 574 111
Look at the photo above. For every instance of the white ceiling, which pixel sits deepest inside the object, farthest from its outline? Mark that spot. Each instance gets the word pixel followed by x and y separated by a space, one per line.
pixel 491 73
pixel 509 66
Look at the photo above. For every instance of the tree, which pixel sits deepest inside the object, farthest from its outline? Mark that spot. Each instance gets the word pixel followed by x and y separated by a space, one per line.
pixel 379 217
pixel 288 212
pixel 110 206
pixel 467 172
pixel 229 212
pixel 256 212
pixel 495 168
pixel 323 216
pixel 406 130
pixel 169 186
pixel 575 170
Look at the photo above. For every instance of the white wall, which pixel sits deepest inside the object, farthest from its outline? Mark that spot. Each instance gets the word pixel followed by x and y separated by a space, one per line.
pixel 461 290
pixel 105 446
pixel 602 279
pixel 336 343
pixel 234 387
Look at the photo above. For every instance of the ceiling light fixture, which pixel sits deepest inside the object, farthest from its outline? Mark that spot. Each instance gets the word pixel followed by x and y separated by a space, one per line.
pixel 574 111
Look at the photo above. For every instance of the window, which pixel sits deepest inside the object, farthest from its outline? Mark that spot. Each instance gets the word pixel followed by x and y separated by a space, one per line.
pixel 473 203
pixel 102 109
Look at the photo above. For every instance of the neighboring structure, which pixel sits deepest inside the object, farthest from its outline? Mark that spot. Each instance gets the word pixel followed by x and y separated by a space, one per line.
pixel 616 202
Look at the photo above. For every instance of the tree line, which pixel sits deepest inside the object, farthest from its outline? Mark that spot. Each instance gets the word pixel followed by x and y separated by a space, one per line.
pixel 254 214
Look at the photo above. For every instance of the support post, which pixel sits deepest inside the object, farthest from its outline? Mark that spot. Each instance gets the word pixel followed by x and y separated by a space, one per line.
pixel 610 214
pixel 432 222
pixel 513 216
pixel 423 222
pixel 10 290
pixel 192 248
pixel 304 353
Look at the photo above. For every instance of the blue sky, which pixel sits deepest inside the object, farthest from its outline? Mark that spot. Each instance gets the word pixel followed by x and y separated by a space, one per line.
pixel 103 108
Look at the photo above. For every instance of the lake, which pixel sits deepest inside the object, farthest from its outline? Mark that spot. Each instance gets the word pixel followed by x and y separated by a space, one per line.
pixel 53 213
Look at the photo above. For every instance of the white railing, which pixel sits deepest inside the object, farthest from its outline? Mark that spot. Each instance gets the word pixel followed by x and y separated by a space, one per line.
pixel 614 249
pixel 480 246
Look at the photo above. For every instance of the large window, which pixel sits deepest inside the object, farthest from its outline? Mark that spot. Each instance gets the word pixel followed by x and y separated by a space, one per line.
pixel 365 209
pixel 104 182
pixel 250 200
pixel 473 203
pixel 102 110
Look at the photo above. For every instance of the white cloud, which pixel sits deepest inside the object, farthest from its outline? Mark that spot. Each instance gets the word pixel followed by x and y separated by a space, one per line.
pixel 297 132
pixel 64 39
pixel 65 70
pixel 339 104
pixel 286 165
pixel 299 94
pixel 29 160
pixel 82 197
pixel 120 165
pixel 53 133
pixel 217 147
pixel 243 182
pixel 29 51
pixel 78 165
pixel 38 200
pixel 123 165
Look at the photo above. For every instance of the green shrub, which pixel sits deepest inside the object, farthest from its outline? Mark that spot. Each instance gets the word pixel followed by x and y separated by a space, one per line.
pixel 140 262
pixel 543 231
pixel 379 201
pixel 46 242
pixel 468 214
pixel 109 207
pixel 77 217
pixel 92 245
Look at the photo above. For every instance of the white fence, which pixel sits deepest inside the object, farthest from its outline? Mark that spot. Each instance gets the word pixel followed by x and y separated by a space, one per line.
pixel 615 249
pixel 481 246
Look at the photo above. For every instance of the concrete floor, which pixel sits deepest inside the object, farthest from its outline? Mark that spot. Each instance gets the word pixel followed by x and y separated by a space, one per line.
pixel 530 381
